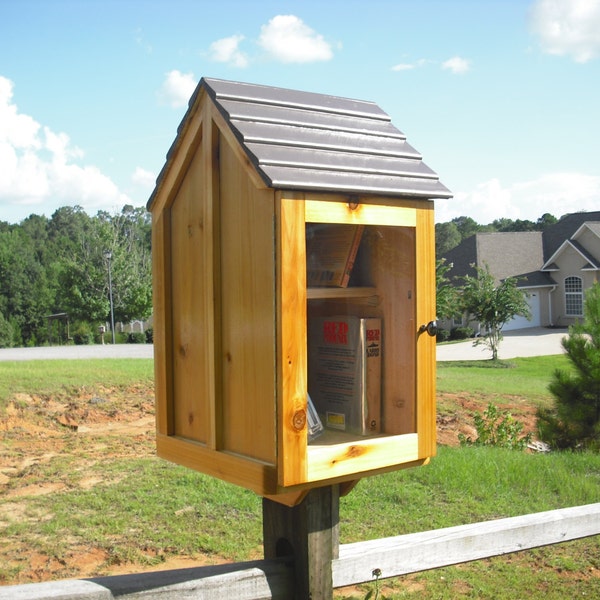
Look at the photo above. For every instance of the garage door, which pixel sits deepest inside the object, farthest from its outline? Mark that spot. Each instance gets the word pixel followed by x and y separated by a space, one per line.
pixel 534 309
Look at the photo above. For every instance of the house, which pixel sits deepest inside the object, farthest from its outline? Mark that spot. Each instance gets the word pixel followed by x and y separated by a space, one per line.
pixel 554 267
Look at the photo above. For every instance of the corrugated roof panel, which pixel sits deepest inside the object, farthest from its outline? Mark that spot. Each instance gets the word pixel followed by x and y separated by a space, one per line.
pixel 342 141
pixel 264 113
pixel 352 182
pixel 311 158
pixel 262 94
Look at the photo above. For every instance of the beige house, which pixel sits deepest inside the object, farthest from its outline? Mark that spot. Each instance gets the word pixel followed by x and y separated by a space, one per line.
pixel 555 266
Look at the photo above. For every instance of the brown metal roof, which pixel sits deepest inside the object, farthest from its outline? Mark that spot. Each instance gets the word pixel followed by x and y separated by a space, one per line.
pixel 306 141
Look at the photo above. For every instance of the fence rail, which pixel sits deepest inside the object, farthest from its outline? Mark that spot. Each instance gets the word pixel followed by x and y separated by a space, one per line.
pixel 274 579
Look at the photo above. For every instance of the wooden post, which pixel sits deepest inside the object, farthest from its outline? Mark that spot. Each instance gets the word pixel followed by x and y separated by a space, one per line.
pixel 309 534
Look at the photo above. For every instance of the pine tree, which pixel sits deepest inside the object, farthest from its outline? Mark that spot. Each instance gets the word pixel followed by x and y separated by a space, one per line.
pixel 574 422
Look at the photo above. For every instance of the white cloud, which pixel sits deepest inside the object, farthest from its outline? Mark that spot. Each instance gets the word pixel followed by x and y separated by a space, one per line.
pixel 554 193
pixel 410 66
pixel 177 88
pixel 227 50
pixel 288 39
pixel 403 67
pixel 143 178
pixel 39 170
pixel 568 27
pixel 457 65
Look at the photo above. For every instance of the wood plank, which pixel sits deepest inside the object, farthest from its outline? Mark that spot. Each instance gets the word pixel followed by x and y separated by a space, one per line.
pixel 255 475
pixel 291 342
pixel 425 312
pixel 191 342
pixel 253 580
pixel 393 268
pixel 232 142
pixel 210 275
pixel 366 214
pixel 247 273
pixel 361 455
pixel 161 295
pixel 418 552
pixel 187 141
pixel 351 293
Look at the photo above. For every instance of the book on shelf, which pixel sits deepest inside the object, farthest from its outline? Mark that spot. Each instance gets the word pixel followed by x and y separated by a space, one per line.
pixel 344 372
pixel 330 253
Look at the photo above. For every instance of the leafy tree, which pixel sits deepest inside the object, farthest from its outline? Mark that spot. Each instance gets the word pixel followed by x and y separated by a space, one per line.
pixel 574 421
pixel 447 236
pixel 447 295
pixel 6 333
pixel 466 226
pixel 23 288
pixel 545 221
pixel 492 304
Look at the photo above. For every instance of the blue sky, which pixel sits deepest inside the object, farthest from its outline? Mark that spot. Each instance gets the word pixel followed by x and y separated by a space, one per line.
pixel 500 97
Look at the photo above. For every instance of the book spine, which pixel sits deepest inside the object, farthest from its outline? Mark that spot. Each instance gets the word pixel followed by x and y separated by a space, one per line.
pixel 371 375
pixel 352 256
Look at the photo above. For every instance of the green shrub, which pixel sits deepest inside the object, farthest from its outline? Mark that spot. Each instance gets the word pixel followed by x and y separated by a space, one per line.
pixel 149 335
pixel 83 334
pixel 461 333
pixel 497 428
pixel 136 337
pixel 443 335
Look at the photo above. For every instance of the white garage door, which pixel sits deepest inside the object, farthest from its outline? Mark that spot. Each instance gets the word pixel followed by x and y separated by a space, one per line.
pixel 534 309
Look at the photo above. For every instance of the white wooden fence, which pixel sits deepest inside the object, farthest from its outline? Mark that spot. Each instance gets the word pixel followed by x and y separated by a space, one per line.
pixel 273 579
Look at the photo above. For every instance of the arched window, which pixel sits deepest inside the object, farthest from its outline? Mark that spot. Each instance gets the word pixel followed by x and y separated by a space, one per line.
pixel 573 297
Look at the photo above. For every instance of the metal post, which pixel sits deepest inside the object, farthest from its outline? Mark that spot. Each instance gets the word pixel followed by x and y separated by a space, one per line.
pixel 108 256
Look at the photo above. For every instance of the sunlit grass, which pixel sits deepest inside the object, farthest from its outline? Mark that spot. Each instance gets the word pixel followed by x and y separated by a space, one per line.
pixel 50 376
pixel 527 377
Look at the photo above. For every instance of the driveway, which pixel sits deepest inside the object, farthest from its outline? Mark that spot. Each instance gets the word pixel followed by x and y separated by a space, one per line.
pixel 78 352
pixel 533 341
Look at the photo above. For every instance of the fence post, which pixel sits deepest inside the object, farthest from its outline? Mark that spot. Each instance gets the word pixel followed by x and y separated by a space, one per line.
pixel 309 533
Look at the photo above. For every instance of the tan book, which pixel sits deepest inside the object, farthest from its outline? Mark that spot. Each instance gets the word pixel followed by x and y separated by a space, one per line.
pixel 330 253
pixel 344 372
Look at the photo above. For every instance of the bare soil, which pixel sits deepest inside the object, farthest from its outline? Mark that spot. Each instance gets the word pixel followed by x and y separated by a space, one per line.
pixel 116 423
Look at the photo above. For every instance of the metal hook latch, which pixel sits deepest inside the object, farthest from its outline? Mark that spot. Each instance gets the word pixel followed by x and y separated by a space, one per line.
pixel 431 328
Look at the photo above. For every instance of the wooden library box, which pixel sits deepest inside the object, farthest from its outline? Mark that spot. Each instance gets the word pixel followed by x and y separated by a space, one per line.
pixel 294 279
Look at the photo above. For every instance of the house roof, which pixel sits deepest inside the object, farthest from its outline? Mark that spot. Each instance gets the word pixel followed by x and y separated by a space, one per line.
pixel 524 255
pixel 307 141
pixel 556 234
pixel 534 279
pixel 505 253
pixel 593 262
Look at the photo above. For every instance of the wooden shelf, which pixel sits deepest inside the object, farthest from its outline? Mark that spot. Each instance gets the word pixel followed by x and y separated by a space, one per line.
pixel 327 293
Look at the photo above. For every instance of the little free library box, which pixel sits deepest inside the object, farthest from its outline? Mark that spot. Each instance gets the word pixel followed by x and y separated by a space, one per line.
pixel 294 282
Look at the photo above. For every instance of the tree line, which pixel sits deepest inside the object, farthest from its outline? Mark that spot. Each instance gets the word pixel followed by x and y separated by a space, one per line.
pixel 450 234
pixel 60 266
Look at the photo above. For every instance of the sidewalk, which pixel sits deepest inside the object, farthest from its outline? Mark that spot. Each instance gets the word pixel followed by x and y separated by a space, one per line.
pixel 533 341
pixel 78 352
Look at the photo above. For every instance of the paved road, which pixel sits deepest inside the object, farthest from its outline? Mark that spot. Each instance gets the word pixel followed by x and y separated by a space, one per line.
pixel 533 341
pixel 78 352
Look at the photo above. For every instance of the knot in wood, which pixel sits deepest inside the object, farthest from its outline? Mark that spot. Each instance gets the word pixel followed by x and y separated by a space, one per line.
pixel 299 419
